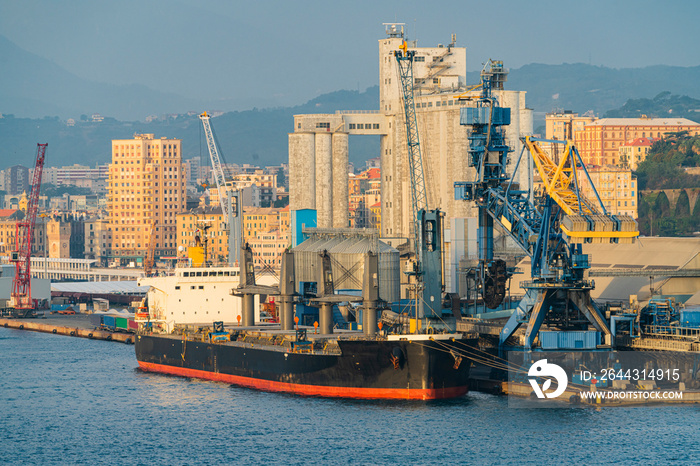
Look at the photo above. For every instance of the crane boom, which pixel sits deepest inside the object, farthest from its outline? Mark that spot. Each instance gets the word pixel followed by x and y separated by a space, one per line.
pixel 404 59
pixel 226 197
pixel 217 167
pixel 427 225
pixel 22 282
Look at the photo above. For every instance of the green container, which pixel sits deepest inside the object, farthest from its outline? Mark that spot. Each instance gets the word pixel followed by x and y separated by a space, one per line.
pixel 122 323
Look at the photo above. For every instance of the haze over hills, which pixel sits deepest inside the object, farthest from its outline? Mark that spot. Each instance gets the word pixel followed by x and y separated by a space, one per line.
pixel 37 96
pixel 254 136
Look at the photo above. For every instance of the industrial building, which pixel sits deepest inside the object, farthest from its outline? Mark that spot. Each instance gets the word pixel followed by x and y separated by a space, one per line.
pixel 319 146
pixel 649 267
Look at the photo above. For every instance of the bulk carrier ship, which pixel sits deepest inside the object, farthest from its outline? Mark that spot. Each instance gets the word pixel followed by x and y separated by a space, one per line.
pixel 205 323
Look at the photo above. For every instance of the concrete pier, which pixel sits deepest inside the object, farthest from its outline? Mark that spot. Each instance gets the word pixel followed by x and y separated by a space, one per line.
pixel 67 327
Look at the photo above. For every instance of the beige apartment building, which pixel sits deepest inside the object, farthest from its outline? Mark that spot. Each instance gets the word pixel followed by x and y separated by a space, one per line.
pixel 203 222
pixel 599 142
pixel 563 125
pixel 146 186
pixel 634 152
pixel 616 186
pixel 98 239
pixel 258 220
pixel 267 183
pixel 265 229
pixel 364 192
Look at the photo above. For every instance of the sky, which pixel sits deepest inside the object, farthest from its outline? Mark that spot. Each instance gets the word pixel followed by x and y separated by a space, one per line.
pixel 281 53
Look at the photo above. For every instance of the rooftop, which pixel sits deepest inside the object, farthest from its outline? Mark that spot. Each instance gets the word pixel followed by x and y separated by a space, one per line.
pixel 641 142
pixel 643 122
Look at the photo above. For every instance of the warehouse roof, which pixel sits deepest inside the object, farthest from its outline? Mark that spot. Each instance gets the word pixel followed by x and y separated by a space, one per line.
pixel 119 287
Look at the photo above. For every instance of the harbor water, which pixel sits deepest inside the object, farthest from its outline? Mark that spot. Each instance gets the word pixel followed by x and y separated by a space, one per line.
pixel 77 401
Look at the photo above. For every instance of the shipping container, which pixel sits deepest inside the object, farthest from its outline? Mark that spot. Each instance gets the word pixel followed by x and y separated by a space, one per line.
pixel 96 320
pixel 121 323
pixel 554 340
pixel 133 325
pixel 109 322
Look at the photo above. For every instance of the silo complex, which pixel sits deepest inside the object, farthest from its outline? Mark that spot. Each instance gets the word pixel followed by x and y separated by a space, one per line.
pixel 440 78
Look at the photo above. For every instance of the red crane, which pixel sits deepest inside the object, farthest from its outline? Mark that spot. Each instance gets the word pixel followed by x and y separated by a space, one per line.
pixel 22 282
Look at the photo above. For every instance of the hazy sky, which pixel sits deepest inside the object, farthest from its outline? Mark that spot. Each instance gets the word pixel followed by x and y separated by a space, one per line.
pixel 286 52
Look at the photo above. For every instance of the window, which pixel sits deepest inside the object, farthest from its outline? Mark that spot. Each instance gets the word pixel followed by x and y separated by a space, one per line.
pixel 419 59
pixel 352 125
pixel 323 125
pixel 375 126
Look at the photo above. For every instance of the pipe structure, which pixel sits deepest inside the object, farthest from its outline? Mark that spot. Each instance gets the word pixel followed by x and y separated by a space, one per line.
pixel 287 291
pixel 370 294
pixel 248 310
pixel 325 318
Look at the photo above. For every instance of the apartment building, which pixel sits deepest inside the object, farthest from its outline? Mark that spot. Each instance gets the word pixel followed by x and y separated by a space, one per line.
pixel 616 186
pixel 563 125
pixel 634 152
pixel 146 187
pixel 599 142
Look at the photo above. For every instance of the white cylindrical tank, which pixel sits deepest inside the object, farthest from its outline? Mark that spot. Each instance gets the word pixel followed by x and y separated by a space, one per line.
pixel 324 179
pixel 302 186
pixel 340 180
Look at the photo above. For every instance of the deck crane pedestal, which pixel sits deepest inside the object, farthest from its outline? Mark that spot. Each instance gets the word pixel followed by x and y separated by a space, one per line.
pixel 21 296
pixel 551 228
pixel 227 197
pixel 427 224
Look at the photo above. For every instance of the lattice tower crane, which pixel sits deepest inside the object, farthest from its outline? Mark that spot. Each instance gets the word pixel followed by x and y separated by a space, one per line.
pixel 21 296
pixel 226 196
pixel 427 225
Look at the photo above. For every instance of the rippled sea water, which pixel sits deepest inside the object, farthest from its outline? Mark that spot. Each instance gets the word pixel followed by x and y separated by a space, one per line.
pixel 69 400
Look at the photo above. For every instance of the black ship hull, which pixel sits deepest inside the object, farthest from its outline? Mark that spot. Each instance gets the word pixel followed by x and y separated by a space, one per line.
pixel 364 368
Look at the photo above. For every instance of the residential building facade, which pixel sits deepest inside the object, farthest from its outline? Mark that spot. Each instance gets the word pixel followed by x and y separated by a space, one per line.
pixel 563 125
pixel 617 188
pixel 147 185
pixel 634 152
pixel 599 142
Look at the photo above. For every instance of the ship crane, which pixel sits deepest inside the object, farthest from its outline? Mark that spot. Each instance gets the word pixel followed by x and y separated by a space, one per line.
pixel 427 224
pixel 21 296
pixel 232 217
pixel 149 261
pixel 550 228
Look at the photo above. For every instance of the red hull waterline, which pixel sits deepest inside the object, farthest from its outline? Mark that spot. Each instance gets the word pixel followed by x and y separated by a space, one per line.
pixel 310 390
